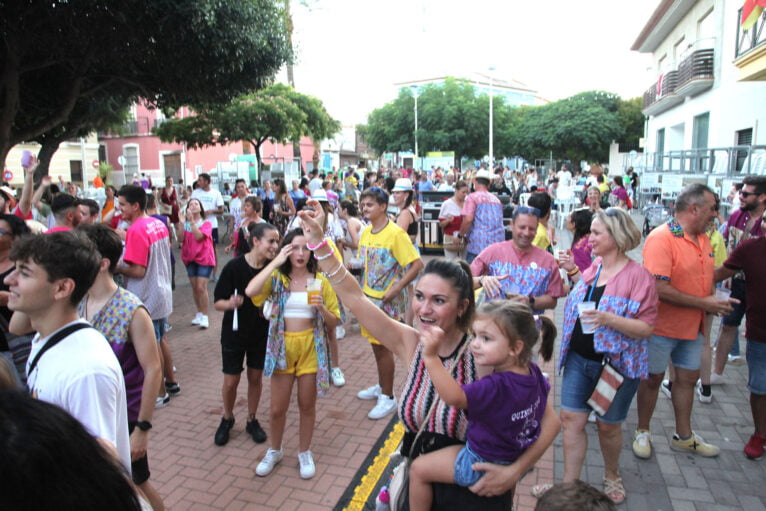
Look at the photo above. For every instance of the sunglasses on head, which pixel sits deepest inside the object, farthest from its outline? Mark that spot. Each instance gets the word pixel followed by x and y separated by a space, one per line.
pixel 526 210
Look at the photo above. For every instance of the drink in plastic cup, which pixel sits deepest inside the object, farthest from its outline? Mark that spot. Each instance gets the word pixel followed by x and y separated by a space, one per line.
pixel 512 290
pixel 722 293
pixel 313 288
pixel 357 265
pixel 26 158
pixel 587 327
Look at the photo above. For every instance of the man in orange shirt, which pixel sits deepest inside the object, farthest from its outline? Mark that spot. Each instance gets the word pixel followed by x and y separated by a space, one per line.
pixel 680 257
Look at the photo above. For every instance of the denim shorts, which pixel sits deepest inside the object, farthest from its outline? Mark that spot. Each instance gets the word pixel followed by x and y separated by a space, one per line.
pixel 685 353
pixel 198 270
pixel 756 367
pixel 579 381
pixel 160 327
pixel 465 475
pixel 738 291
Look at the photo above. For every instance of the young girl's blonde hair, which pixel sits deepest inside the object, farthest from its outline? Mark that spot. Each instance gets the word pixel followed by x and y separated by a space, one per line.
pixel 516 322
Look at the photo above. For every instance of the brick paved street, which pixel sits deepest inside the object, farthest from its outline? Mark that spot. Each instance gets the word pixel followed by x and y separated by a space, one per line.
pixel 191 473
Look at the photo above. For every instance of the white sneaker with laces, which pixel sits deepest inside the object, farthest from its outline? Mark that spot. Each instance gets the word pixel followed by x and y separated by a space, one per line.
pixel 268 462
pixel 306 462
pixel 702 397
pixel 197 318
pixel 204 322
pixel 336 375
pixel 369 393
pixel 642 444
pixel 717 379
pixel 385 406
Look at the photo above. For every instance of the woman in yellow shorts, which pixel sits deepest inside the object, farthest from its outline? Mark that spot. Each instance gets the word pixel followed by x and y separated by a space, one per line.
pixel 297 343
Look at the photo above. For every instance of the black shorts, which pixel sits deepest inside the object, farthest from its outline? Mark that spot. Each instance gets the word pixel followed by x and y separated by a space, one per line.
pixel 214 236
pixel 233 355
pixel 140 467
pixel 738 291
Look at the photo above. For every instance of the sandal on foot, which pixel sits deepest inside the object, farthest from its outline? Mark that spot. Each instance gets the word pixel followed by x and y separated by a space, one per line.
pixel 614 490
pixel 539 490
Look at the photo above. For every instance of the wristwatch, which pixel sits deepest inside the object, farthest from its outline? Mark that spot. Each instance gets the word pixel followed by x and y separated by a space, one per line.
pixel 532 301
pixel 144 425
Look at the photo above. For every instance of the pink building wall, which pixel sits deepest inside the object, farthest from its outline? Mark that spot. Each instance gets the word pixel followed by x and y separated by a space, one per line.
pixel 151 150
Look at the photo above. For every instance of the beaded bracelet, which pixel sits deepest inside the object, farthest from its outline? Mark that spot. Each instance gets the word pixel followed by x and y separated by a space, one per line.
pixel 322 258
pixel 317 247
pixel 331 275
pixel 340 279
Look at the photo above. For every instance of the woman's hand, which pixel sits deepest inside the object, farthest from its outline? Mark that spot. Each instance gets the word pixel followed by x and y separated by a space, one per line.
pixel 597 317
pixel 235 301
pixel 312 221
pixel 566 260
pixel 282 256
pixel 431 338
pixel 316 300
pixel 497 479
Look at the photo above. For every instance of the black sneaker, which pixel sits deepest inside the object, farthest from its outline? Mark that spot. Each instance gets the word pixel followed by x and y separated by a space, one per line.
pixel 256 431
pixel 173 388
pixel 222 433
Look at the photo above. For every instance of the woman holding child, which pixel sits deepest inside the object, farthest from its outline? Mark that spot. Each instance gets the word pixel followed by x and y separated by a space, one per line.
pixel 443 299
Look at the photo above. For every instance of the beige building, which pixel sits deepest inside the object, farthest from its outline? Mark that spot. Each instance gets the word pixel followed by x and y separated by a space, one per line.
pixel 76 160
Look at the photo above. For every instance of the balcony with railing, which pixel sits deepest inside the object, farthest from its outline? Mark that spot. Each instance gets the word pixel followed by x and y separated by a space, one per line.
pixel 750 49
pixel 694 75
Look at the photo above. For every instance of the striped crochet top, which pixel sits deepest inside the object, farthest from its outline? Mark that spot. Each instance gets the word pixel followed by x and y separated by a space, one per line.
pixel 418 394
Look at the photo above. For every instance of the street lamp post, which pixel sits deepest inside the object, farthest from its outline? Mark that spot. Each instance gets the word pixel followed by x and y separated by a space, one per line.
pixel 417 153
pixel 491 136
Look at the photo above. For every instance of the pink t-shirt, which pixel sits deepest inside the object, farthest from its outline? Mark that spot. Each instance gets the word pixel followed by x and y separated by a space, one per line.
pixel 58 228
pixel 198 251
pixel 147 244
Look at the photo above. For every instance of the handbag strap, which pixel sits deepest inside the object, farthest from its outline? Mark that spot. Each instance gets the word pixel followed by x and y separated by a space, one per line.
pixel 54 340
pixel 436 401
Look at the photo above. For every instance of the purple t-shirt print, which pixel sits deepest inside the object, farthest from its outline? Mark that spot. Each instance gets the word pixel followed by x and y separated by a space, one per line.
pixel 505 411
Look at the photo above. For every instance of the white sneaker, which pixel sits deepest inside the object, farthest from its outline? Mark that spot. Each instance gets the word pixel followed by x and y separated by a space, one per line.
pixel 340 332
pixel 163 401
pixel 268 462
pixel 717 379
pixel 666 388
pixel 702 397
pixel 369 393
pixel 306 463
pixel 736 360
pixel 336 375
pixel 642 444
pixel 384 406
pixel 204 322
pixel 197 318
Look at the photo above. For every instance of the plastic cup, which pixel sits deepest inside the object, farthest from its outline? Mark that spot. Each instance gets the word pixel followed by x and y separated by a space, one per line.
pixel 26 158
pixel 313 288
pixel 722 293
pixel 587 327
pixel 512 290
pixel 357 265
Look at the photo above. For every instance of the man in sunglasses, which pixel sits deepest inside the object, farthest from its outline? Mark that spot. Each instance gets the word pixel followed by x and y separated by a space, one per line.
pixel 517 269
pixel 743 224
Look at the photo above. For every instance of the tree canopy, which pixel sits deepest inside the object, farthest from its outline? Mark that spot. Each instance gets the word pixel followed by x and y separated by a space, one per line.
pixel 58 54
pixel 452 117
pixel 276 113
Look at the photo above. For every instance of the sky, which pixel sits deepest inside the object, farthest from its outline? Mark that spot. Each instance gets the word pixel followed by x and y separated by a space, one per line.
pixel 350 53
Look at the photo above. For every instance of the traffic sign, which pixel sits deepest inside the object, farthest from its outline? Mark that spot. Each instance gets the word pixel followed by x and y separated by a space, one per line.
pixel 96 164
pixel 8 175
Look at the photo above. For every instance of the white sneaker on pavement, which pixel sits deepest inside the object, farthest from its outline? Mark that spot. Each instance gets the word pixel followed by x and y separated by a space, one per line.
pixel 306 462
pixel 369 393
pixel 717 379
pixel 336 375
pixel 385 406
pixel 268 462
pixel 204 322
pixel 197 318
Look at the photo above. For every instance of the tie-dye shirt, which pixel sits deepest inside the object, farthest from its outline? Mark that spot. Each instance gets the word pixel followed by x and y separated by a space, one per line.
pixel 487 227
pixel 534 272
pixel 631 293
pixel 386 256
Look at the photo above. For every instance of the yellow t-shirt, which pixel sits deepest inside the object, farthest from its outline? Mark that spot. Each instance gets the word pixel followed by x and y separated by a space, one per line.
pixel 541 237
pixel 386 255
pixel 719 247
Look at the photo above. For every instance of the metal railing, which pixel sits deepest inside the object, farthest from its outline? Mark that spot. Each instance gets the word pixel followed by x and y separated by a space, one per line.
pixel 728 161
pixel 699 64
pixel 748 39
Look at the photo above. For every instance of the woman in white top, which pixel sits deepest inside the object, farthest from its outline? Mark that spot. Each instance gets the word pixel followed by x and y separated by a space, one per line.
pixel 349 213
pixel 450 219
pixel 296 348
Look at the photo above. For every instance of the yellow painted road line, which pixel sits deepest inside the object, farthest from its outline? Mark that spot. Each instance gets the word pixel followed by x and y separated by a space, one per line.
pixel 375 471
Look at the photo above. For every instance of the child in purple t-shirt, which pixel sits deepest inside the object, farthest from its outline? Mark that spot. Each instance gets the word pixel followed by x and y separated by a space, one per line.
pixel 505 407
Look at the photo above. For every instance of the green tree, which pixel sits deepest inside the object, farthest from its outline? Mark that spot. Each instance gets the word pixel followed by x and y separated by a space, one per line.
pixel 197 52
pixel 631 119
pixel 277 113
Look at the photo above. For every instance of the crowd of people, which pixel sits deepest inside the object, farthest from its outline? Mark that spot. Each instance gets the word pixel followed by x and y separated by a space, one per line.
pixel 469 327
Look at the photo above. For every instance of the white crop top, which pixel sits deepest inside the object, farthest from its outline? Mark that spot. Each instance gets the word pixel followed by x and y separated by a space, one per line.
pixel 297 306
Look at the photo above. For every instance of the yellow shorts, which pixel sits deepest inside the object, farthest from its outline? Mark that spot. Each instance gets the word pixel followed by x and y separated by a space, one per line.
pixel 300 353
pixel 368 336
